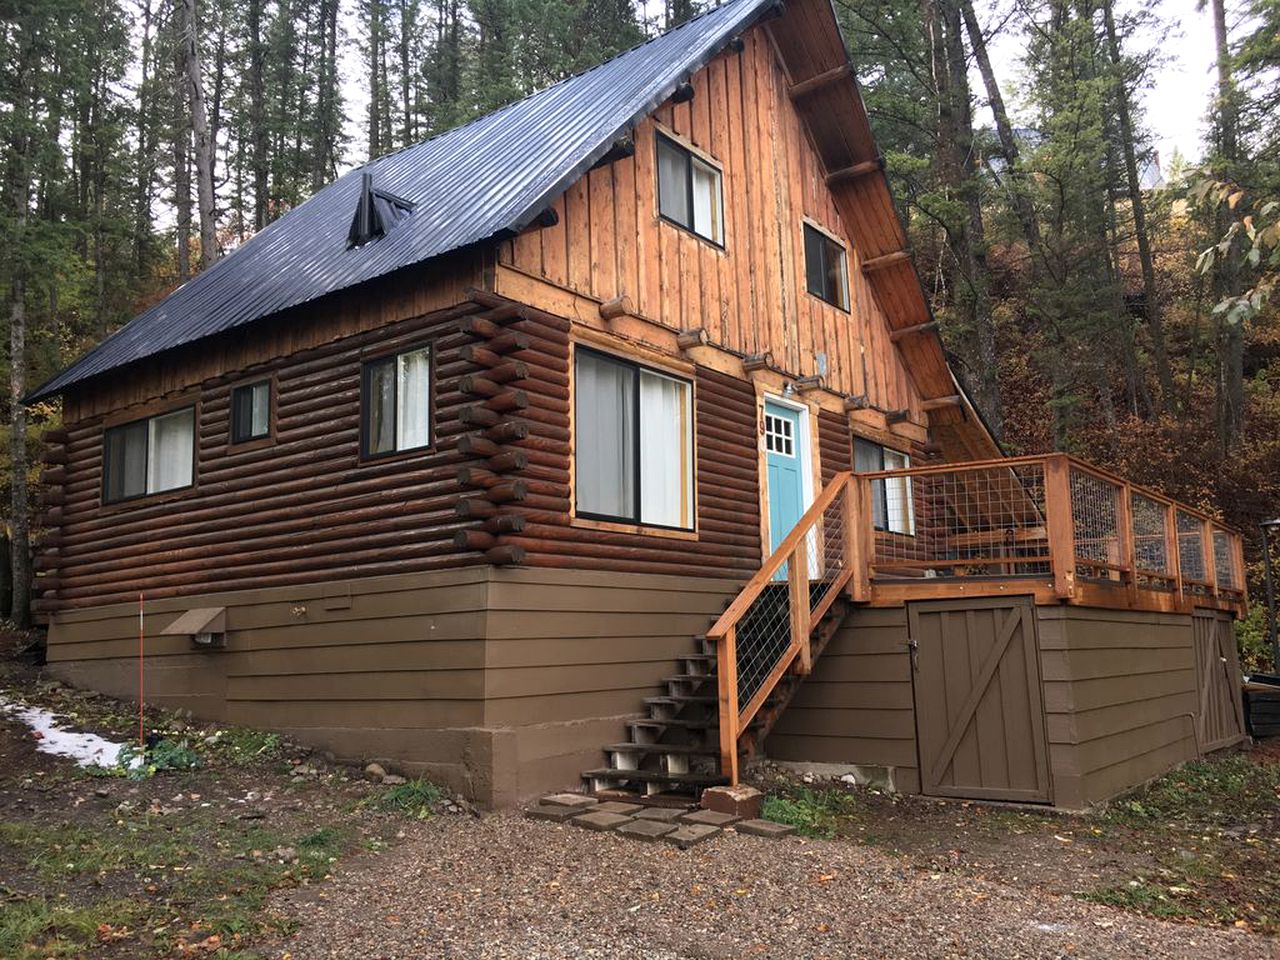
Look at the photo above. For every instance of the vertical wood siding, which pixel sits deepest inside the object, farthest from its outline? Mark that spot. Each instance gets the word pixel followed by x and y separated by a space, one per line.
pixel 749 296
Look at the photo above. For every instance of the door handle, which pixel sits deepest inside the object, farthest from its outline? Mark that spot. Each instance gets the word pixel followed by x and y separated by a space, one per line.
pixel 914 648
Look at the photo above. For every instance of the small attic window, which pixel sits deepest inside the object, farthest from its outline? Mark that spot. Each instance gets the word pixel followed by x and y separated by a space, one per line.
pixel 377 213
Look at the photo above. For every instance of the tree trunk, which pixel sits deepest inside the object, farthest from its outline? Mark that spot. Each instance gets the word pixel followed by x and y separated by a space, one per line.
pixel 258 116
pixel 181 160
pixel 1151 301
pixel 1226 274
pixel 966 235
pixel 375 94
pixel 19 520
pixel 200 133
pixel 1019 188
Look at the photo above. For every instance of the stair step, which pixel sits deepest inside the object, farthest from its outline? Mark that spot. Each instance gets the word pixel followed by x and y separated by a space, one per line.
pixel 688 678
pixel 656 776
pixel 685 749
pixel 705 723
pixel 680 700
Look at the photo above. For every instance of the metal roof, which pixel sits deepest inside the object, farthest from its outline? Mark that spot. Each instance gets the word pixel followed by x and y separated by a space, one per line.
pixel 492 175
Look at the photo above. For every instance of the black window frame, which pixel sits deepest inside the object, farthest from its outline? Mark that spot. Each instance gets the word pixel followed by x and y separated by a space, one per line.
pixel 826 242
pixel 635 448
pixel 689 157
pixel 880 489
pixel 241 389
pixel 106 498
pixel 366 369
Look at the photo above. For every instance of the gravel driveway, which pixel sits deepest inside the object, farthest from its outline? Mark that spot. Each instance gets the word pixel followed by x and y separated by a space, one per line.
pixel 508 887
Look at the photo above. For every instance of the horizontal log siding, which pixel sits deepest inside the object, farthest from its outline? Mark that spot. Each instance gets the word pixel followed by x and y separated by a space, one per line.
pixel 301 509
pixel 835 444
pixel 727 471
pixel 1119 691
pixel 751 295
pixel 856 707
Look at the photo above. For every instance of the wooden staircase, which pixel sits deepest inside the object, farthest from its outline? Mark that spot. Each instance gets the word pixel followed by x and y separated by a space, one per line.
pixel 715 713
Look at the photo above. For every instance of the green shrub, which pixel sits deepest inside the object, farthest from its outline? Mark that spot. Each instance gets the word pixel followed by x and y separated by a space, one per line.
pixel 418 798
pixel 814 813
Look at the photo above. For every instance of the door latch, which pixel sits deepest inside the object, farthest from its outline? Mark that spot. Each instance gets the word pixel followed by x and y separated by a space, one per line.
pixel 914 647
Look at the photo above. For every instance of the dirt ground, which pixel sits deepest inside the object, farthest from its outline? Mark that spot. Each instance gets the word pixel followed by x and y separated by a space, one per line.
pixel 244 845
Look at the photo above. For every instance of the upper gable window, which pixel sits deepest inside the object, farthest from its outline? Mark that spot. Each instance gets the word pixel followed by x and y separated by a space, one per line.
pixel 826 267
pixel 149 456
pixel 689 191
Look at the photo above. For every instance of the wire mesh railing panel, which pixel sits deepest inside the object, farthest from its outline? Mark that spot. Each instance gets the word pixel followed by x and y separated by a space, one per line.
pixel 1195 575
pixel 987 521
pixel 1153 565
pixel 1095 519
pixel 826 549
pixel 1224 560
pixel 763 637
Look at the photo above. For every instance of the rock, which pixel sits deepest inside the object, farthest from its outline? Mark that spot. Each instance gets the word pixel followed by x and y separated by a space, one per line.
pixel 764 828
pixel 850 779
pixel 691 834
pixel 287 854
pixel 741 802
pixel 709 818
pixel 375 771
pixel 302 770
pixel 575 801
pixel 661 814
pixel 599 820
pixel 101 792
pixel 546 811
pixel 618 807
pixel 648 830
pixel 392 780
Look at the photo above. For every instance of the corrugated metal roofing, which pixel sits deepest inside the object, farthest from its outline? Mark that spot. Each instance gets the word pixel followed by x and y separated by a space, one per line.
pixel 470 184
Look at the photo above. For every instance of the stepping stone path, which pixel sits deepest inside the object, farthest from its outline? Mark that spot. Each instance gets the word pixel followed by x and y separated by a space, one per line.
pixel 682 826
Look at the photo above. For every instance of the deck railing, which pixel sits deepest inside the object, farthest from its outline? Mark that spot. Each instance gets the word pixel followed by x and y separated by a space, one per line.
pixel 1051 526
pixel 1071 531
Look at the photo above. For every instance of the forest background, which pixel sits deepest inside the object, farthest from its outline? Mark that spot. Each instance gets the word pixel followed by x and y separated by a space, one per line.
pixel 1092 300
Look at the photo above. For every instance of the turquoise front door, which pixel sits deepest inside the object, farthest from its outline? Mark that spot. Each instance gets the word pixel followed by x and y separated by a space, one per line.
pixel 785 462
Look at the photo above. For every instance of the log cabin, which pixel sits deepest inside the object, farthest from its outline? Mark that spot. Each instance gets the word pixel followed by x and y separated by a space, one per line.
pixel 608 440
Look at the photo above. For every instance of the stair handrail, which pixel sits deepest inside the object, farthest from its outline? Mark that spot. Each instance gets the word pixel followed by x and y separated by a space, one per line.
pixel 792 550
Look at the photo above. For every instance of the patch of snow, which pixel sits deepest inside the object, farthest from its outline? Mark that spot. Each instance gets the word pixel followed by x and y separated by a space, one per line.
pixel 86 749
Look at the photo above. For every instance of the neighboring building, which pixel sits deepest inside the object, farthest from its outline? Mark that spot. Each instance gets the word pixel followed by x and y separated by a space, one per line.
pixel 451 465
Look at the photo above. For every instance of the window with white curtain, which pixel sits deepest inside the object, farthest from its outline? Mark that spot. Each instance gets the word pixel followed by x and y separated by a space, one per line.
pixel 396 403
pixel 633 443
pixel 251 411
pixel 689 191
pixel 149 456
pixel 891 505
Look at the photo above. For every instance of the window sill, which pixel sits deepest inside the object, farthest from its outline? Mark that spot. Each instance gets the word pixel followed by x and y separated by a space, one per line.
pixel 827 303
pixel 682 230
pixel 615 526
pixel 398 456
pixel 148 500
pixel 244 446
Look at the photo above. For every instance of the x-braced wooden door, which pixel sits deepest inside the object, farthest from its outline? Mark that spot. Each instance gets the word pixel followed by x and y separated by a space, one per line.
pixel 1220 716
pixel 979 712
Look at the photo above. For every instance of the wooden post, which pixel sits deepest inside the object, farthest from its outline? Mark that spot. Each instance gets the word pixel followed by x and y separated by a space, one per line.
pixel 853 560
pixel 727 676
pixel 1173 562
pixel 861 542
pixel 798 584
pixel 1059 524
pixel 1124 531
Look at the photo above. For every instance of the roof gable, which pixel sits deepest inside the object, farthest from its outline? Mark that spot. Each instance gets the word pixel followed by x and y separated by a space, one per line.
pixel 490 176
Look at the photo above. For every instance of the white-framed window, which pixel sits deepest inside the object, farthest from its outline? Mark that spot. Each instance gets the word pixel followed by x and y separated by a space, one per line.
pixel 779 435
pixel 149 456
pixel 690 192
pixel 396 403
pixel 891 503
pixel 633 442
pixel 826 267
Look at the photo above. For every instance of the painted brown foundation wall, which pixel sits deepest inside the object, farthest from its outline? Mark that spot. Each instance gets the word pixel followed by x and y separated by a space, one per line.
pixel 1119 690
pixel 501 683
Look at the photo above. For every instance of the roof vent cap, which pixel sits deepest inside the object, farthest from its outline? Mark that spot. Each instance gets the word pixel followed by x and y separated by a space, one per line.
pixel 377 213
